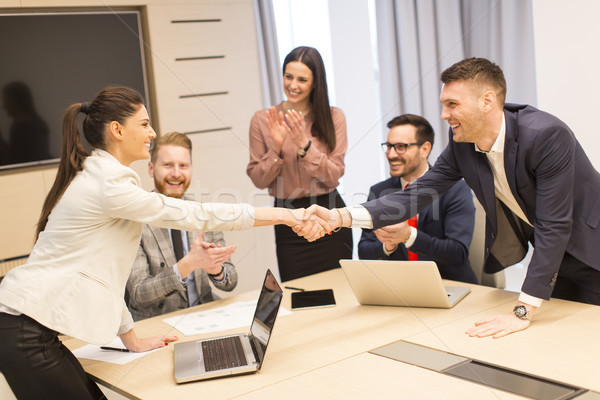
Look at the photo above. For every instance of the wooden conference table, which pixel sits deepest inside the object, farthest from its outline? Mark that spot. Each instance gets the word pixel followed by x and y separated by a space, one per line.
pixel 324 353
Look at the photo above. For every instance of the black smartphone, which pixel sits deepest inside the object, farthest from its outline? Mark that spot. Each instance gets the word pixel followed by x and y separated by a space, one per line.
pixel 312 299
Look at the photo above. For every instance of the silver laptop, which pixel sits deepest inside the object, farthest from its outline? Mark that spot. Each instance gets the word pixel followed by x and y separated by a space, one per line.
pixel 235 354
pixel 400 283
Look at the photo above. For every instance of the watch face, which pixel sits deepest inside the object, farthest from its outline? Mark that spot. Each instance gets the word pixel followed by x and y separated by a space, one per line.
pixel 520 311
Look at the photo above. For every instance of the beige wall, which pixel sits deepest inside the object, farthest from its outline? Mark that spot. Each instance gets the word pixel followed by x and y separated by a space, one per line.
pixel 567 57
pixel 220 157
pixel 23 194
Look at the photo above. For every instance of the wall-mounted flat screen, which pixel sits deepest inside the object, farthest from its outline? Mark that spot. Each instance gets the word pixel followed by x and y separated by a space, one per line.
pixel 51 60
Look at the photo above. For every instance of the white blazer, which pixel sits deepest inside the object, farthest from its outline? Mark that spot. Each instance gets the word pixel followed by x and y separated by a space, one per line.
pixel 74 280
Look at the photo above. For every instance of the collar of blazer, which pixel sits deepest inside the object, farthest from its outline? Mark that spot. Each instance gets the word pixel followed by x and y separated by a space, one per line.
pixel 511 147
pixel 163 240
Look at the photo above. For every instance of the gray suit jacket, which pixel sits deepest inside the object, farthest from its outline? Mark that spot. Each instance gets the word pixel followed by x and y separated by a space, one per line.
pixel 153 288
pixel 552 180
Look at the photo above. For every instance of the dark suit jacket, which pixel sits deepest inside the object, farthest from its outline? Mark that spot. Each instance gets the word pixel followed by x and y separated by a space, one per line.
pixel 445 230
pixel 552 180
pixel 153 287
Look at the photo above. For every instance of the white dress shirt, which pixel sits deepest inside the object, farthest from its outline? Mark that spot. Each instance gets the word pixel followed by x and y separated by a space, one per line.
pixel 496 159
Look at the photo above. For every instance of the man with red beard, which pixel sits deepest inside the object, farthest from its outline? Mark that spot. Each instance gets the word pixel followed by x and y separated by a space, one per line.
pixel 173 269
pixel 441 232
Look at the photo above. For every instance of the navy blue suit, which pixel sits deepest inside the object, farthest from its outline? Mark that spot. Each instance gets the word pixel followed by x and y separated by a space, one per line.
pixel 550 177
pixel 445 230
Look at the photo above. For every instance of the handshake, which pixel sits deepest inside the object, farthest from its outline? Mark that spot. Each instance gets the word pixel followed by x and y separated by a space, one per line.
pixel 315 221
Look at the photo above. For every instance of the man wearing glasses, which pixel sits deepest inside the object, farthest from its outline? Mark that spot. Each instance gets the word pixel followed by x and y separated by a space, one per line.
pixel 442 232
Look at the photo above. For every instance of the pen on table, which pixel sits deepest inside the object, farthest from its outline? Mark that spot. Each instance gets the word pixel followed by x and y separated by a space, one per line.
pixel 294 288
pixel 114 349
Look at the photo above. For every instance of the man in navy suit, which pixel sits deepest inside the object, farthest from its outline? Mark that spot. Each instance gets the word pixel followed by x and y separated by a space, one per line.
pixel 443 230
pixel 533 180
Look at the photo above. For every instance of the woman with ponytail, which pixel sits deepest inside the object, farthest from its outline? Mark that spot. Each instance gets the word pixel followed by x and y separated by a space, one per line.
pixel 87 237
pixel 297 151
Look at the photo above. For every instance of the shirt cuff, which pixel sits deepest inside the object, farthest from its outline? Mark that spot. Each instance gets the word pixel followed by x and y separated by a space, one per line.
pixel 361 218
pixel 177 274
pixel 185 281
pixel 275 157
pixel 411 238
pixel 126 321
pixel 532 301
pixel 386 252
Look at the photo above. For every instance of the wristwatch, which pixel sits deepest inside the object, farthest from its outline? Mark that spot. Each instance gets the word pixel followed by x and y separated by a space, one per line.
pixel 522 312
pixel 302 152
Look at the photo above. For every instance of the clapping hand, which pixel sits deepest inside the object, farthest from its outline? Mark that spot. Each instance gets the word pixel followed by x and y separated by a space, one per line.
pixel 277 128
pixel 296 128
pixel 211 256
pixel 206 256
pixel 292 126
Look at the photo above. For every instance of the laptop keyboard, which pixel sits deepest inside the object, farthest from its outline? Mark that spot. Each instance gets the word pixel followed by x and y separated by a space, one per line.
pixel 223 353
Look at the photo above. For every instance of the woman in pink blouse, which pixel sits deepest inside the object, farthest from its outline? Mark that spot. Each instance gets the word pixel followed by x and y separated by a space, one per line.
pixel 297 151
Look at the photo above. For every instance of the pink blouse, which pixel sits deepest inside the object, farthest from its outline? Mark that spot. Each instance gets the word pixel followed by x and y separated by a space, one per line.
pixel 287 175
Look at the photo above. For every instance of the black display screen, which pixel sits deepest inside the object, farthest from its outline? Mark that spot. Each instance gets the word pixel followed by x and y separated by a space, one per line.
pixel 313 299
pixel 265 314
pixel 51 60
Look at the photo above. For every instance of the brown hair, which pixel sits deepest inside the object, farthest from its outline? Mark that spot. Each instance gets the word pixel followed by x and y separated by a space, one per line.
pixel 173 139
pixel 478 69
pixel 319 99
pixel 115 103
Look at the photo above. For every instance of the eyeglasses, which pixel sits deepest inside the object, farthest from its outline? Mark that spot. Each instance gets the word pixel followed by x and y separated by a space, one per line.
pixel 399 147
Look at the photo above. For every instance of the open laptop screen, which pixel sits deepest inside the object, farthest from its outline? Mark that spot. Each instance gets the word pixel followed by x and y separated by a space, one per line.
pixel 265 314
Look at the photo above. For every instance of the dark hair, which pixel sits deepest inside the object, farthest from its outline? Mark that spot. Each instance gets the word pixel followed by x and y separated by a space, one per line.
pixel 115 103
pixel 319 99
pixel 424 129
pixel 172 139
pixel 478 69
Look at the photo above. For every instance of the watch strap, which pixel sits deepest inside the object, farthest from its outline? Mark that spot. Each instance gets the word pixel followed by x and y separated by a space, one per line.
pixel 302 152
pixel 217 274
